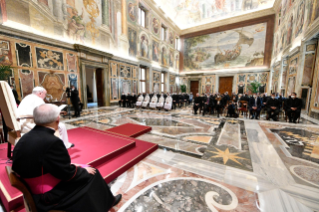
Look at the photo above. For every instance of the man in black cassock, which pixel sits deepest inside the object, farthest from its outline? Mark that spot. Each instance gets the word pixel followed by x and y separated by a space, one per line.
pixel 197 102
pixel 272 107
pixel 294 108
pixel 40 154
pixel 75 101
pixel 122 100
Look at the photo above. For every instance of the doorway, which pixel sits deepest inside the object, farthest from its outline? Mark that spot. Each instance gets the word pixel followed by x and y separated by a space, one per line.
pixel 94 87
pixel 225 84
pixel 194 87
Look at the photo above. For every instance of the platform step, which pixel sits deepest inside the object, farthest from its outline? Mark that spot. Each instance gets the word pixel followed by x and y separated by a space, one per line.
pixel 96 147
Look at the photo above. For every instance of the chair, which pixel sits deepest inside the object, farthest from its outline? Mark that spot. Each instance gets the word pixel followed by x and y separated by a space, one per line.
pixel 9 111
pixel 244 107
pixel 153 102
pixel 20 185
pixel 146 101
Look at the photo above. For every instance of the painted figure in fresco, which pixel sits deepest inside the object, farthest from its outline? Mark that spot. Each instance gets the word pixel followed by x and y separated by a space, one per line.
pixel 289 34
pixel 171 59
pixel 144 46
pixel 54 86
pixel 132 42
pixel 155 52
pixel 164 61
pixel 300 19
pixel 156 25
pixel 76 27
pixel 131 11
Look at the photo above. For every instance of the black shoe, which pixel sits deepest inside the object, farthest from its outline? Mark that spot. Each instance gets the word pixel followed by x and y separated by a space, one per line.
pixel 117 199
pixel 72 146
pixel 74 116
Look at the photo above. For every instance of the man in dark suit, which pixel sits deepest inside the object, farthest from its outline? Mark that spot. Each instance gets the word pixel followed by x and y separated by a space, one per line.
pixel 197 102
pixel 294 108
pixel 254 106
pixel 220 103
pixel 174 97
pixel 206 104
pixel 75 101
pixel 122 100
pixel 15 94
pixel 272 107
pixel 40 156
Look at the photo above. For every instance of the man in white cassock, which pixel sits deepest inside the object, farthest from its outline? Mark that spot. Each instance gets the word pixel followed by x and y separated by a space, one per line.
pixel 26 107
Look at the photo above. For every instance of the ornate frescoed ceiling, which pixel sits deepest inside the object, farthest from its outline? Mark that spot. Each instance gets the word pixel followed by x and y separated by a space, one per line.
pixel 191 13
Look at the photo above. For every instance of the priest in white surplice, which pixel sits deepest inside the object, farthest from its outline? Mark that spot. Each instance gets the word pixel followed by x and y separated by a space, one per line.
pixel 26 108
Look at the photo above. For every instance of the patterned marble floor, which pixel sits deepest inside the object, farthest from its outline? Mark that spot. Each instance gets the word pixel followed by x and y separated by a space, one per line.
pixel 216 164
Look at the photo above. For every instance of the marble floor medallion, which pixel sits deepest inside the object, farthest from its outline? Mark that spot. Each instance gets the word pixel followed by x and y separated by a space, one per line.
pixel 185 194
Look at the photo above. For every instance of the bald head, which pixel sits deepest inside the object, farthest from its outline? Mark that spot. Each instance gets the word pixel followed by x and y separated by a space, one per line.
pixel 46 114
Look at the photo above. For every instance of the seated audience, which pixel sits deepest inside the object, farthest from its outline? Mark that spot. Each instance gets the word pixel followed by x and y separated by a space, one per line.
pixel 294 108
pixel 26 107
pixel 40 158
pixel 197 102
pixel 272 108
pixel 231 110
pixel 254 106
pixel 190 98
pixel 122 100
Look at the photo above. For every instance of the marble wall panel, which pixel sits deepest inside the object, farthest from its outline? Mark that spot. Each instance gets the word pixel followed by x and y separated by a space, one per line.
pixel 308 69
pixel 5 53
pixel 125 86
pixel 26 78
pixel 54 83
pixel 71 62
pixel 48 59
pixel 114 89
pixel 24 55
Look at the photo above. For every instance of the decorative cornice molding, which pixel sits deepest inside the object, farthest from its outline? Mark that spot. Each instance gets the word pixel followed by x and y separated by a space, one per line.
pixel 159 12
pixel 277 5
pixel 294 51
pixel 232 20
pixel 34 37
pixel 312 31
pixel 85 49
pixel 228 71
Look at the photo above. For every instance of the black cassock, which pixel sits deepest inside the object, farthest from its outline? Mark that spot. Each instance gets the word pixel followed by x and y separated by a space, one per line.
pixel 78 190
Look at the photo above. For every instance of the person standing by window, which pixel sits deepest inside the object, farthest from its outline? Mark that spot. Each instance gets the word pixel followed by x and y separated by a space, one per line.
pixel 75 101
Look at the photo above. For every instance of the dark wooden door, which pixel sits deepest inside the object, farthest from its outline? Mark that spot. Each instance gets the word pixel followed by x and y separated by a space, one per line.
pixel 99 86
pixel 194 87
pixel 225 84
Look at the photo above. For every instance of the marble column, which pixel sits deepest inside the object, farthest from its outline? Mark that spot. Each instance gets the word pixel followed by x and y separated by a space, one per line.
pixel 124 18
pixel 105 13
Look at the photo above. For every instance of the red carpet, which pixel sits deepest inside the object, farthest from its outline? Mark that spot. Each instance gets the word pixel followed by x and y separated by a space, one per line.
pixel 130 130
pixel 112 154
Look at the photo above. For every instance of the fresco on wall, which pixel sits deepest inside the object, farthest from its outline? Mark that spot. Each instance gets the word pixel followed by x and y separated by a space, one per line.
pixel 293 66
pixel 263 78
pixel 283 39
pixel 316 97
pixel 73 80
pixel 284 77
pixel 84 19
pixel 18 11
pixel 313 12
pixel 275 79
pixel 23 52
pixel 156 25
pixel 307 71
pixel 242 78
pixel 132 11
pixel 164 57
pixel 26 81
pixel 5 53
pixel 114 89
pixel 171 38
pixel 252 78
pixel 49 59
pixel 171 58
pixel 144 46
pixel 155 51
pixel 71 62
pixel 54 84
pixel 291 85
pixel 132 42
pixel 299 22
pixel 239 47
pixel 290 28
pixel 196 12
pixel 3 12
